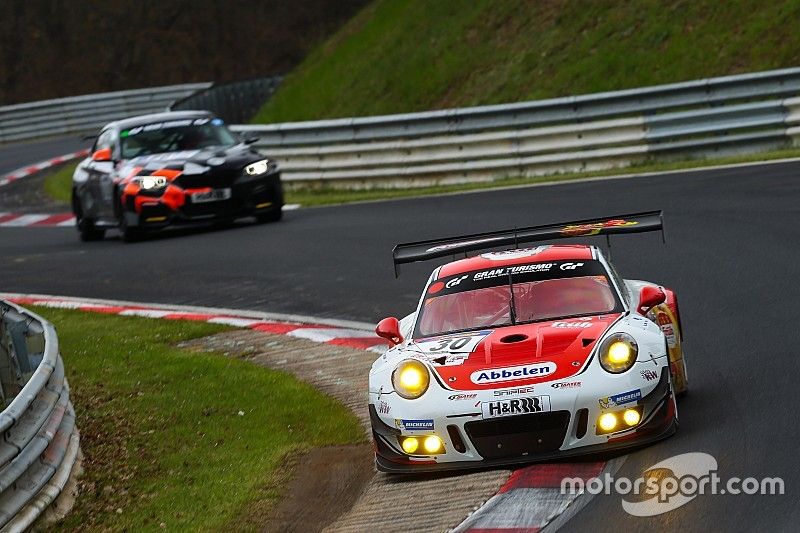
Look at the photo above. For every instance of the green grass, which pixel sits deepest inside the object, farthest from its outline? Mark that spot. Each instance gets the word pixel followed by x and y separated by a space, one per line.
pixel 410 55
pixel 187 439
pixel 58 185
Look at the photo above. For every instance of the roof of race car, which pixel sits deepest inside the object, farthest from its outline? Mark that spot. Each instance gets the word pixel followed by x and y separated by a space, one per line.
pixel 561 252
pixel 158 117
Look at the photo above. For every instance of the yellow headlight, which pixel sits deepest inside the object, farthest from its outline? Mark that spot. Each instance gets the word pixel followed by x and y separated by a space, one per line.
pixel 607 421
pixel 631 417
pixel 433 444
pixel 411 379
pixel 410 445
pixel 618 353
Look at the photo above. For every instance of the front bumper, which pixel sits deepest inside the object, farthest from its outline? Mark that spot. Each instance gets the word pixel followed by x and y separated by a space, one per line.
pixel 255 196
pixel 528 438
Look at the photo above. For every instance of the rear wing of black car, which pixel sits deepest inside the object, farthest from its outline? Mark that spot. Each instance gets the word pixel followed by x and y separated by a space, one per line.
pixel 412 252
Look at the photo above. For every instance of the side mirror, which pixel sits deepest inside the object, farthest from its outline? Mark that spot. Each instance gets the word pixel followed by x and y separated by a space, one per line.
pixel 103 154
pixel 389 329
pixel 249 137
pixel 649 297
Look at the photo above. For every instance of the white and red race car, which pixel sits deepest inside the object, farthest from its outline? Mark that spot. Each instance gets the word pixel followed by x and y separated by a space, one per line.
pixel 526 354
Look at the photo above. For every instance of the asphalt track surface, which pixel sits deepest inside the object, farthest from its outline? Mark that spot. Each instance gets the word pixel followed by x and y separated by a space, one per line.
pixel 732 254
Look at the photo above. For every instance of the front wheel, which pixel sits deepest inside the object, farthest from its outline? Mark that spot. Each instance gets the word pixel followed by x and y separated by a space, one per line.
pixel 86 228
pixel 129 233
pixel 272 216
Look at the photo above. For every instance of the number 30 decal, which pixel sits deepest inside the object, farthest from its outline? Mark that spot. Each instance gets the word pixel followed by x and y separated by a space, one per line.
pixel 454 344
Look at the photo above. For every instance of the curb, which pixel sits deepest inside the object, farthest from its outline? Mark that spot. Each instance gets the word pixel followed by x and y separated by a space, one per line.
pixel 528 501
pixel 38 167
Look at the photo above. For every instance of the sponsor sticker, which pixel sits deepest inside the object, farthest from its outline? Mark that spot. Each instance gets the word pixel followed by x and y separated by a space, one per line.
pixel 570 266
pixel 620 399
pixel 571 325
pixel 497 375
pixel 595 228
pixel 414 425
pixel 510 254
pixel 384 408
pixel 517 406
pixel 513 392
pixel 518 269
pixel 649 375
pixel 567 385
pixel 462 397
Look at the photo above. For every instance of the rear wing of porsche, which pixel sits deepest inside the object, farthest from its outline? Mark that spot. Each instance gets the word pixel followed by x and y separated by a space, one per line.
pixel 412 252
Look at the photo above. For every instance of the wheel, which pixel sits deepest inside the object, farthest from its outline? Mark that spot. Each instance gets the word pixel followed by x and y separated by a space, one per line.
pixel 272 216
pixel 129 234
pixel 86 228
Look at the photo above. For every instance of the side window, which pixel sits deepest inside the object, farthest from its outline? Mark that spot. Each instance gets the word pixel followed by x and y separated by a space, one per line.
pixel 620 283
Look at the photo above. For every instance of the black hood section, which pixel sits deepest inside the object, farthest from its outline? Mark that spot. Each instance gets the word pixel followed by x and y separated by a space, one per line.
pixel 203 161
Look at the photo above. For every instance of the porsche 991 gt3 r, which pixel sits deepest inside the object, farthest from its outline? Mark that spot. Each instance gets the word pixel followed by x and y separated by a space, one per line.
pixel 526 354
pixel 152 171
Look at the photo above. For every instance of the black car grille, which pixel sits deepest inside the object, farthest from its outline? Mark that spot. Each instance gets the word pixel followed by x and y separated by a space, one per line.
pixel 519 436
pixel 200 181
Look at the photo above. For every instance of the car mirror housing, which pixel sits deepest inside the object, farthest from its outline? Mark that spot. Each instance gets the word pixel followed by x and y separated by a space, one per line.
pixel 649 297
pixel 389 329
pixel 103 154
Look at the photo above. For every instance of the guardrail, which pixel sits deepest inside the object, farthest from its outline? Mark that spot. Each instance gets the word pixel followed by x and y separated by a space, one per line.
pixel 40 441
pixel 80 114
pixel 710 117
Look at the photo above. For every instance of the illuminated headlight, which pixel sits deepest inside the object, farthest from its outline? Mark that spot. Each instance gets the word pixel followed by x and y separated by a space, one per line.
pixel 618 353
pixel 411 379
pixel 257 168
pixel 151 182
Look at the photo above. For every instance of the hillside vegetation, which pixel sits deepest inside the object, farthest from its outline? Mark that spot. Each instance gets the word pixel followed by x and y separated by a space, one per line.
pixel 411 55
pixel 54 48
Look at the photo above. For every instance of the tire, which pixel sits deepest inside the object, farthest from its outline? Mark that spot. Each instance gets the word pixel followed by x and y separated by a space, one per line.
pixel 86 229
pixel 272 216
pixel 129 234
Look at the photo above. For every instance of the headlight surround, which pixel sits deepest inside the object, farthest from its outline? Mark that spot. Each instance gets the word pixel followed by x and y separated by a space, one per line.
pixel 150 183
pixel 618 353
pixel 411 379
pixel 257 168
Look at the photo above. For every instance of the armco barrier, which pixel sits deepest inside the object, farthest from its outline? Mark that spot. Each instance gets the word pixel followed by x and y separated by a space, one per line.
pixel 86 113
pixel 40 440
pixel 711 117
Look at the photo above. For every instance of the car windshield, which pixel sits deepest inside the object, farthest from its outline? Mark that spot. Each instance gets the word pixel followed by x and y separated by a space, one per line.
pixel 174 135
pixel 541 291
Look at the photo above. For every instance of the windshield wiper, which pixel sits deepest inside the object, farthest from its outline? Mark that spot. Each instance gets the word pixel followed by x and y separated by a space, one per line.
pixel 512 304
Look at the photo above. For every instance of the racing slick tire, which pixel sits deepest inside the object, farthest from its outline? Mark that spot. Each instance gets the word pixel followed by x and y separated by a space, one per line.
pixel 272 216
pixel 86 228
pixel 129 233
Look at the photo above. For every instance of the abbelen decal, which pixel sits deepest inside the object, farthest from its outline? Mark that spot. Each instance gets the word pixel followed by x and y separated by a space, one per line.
pixel 511 373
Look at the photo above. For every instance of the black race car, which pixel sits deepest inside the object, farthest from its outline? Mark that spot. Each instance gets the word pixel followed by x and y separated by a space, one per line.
pixel 153 171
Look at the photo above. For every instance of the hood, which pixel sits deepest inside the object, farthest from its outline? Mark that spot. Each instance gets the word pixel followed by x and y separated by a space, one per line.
pixel 514 355
pixel 195 162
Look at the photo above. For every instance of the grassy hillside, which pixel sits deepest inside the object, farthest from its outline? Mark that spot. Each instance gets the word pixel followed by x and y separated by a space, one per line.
pixel 411 55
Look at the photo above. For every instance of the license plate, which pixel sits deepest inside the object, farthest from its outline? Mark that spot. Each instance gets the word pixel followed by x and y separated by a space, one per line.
pixel 517 406
pixel 214 195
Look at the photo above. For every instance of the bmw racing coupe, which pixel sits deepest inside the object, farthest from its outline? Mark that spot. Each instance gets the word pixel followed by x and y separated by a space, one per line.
pixel 526 354
pixel 148 172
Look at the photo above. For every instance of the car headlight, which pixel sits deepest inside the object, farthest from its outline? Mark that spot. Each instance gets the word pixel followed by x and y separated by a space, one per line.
pixel 151 182
pixel 257 168
pixel 618 353
pixel 411 379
